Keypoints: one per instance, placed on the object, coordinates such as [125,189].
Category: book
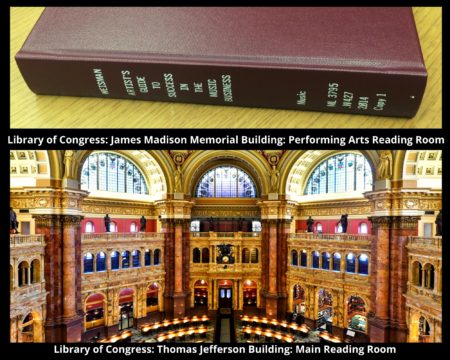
[357,60]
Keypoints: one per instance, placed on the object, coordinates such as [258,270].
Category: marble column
[272,295]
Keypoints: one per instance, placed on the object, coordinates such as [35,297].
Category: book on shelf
[358,60]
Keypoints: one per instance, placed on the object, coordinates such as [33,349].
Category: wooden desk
[31,111]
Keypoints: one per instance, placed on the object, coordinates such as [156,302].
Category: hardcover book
[362,60]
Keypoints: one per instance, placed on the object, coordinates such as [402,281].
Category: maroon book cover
[363,60]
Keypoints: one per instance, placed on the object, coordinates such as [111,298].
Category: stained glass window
[340,173]
[112,172]
[226,182]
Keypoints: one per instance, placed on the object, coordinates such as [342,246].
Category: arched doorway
[126,317]
[94,311]
[225,288]
[32,328]
[420,330]
[250,290]
[356,314]
[152,298]
[325,310]
[201,294]
[298,300]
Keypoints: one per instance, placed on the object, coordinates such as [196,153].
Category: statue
[68,158]
[178,180]
[13,221]
[384,169]
[310,224]
[438,223]
[211,224]
[274,173]
[240,224]
[344,223]
[107,221]
[143,222]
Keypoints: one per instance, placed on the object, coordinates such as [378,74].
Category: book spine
[353,92]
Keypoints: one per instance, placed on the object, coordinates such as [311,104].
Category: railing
[225,234]
[331,237]
[430,241]
[108,236]
[18,240]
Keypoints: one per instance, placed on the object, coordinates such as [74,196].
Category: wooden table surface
[31,111]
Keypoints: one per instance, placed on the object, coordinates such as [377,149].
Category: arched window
[195,225]
[136,254]
[125,259]
[88,263]
[303,258]
[325,261]
[417,273]
[350,263]
[115,260]
[94,310]
[226,182]
[340,173]
[315,259]
[148,257]
[336,262]
[254,256]
[319,228]
[424,329]
[35,271]
[23,273]
[205,255]
[156,257]
[106,171]
[338,229]
[294,258]
[363,264]
[256,226]
[113,227]
[89,227]
[196,256]
[245,255]
[362,228]
[100,262]
[133,227]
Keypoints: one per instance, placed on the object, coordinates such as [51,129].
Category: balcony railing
[23,240]
[331,237]
[122,236]
[225,234]
[429,241]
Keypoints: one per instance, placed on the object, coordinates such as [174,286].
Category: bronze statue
[438,223]
[344,223]
[107,221]
[310,224]
[143,222]
[13,221]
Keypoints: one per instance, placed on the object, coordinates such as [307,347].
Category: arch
[35,271]
[254,256]
[363,228]
[126,308]
[363,264]
[245,256]
[205,255]
[298,299]
[100,262]
[136,258]
[299,165]
[416,273]
[157,257]
[294,258]
[256,226]
[356,313]
[88,263]
[125,263]
[319,228]
[196,256]
[31,326]
[155,165]
[250,294]
[315,259]
[113,227]
[226,181]
[419,328]
[200,293]
[428,276]
[252,162]
[424,167]
[350,263]
[115,260]
[89,227]
[23,272]
[133,226]
[326,261]
[325,309]
[148,257]
[152,297]
[303,258]
[336,262]
[94,308]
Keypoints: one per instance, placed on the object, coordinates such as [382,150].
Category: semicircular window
[226,182]
[106,171]
[340,173]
